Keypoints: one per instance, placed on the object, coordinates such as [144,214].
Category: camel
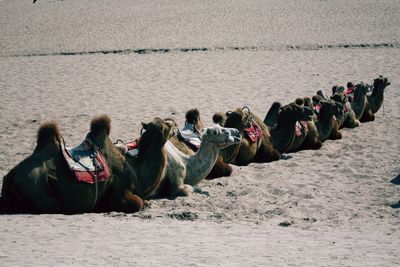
[185,171]
[256,145]
[44,183]
[194,126]
[374,100]
[348,118]
[326,112]
[150,163]
[360,99]
[287,134]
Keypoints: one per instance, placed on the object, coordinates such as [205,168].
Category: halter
[250,117]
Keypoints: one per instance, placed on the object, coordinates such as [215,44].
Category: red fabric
[103,173]
[132,145]
[317,108]
[349,91]
[301,128]
[254,132]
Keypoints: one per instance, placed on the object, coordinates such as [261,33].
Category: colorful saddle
[254,132]
[190,136]
[86,163]
[301,128]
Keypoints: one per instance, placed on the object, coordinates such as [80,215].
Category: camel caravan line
[166,161]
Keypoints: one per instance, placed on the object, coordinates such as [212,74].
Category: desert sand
[134,60]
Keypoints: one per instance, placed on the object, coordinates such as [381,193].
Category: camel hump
[99,124]
[219,118]
[192,116]
[48,132]
[299,101]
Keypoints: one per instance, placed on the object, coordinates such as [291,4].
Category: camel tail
[48,132]
[99,124]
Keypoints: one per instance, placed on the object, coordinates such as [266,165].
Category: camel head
[331,108]
[296,112]
[220,136]
[339,97]
[381,82]
[240,119]
[317,99]
[361,89]
[156,132]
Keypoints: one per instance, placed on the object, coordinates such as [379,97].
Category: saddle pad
[317,108]
[190,136]
[254,132]
[346,107]
[133,150]
[301,128]
[85,163]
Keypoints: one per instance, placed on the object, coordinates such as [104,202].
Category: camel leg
[311,142]
[178,188]
[352,122]
[130,203]
[367,116]
[335,135]
[220,169]
[266,154]
[335,132]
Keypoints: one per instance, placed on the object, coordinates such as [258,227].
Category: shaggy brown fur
[271,119]
[375,100]
[247,151]
[43,183]
[360,101]
[220,169]
[325,120]
[347,119]
[283,133]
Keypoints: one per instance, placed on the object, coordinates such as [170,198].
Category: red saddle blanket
[87,164]
[132,147]
[301,128]
[254,132]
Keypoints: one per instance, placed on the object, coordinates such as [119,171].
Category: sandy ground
[70,60]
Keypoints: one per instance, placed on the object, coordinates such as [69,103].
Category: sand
[71,60]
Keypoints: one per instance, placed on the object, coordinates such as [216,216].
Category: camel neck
[283,134]
[200,164]
[324,124]
[376,99]
[358,103]
[151,167]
